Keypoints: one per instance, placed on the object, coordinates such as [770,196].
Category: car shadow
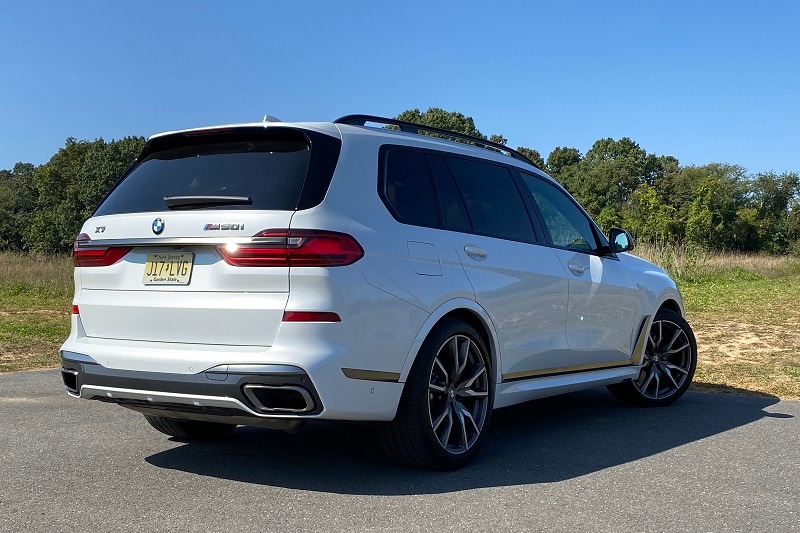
[544,441]
[718,388]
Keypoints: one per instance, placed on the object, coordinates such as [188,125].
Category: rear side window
[454,215]
[493,202]
[269,169]
[408,188]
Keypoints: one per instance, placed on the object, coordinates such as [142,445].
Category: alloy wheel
[667,361]
[458,394]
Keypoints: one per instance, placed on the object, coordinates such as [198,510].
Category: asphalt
[581,462]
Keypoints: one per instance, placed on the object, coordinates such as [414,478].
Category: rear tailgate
[188,196]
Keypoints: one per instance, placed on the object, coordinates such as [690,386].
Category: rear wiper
[189,202]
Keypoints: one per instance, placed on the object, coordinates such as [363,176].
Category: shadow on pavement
[543,441]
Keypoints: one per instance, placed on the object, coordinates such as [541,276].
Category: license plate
[168,269]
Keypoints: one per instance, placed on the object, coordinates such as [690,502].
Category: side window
[492,200]
[408,187]
[568,225]
[454,214]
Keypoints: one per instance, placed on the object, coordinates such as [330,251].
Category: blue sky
[704,81]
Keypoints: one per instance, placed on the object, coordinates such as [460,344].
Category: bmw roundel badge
[158,226]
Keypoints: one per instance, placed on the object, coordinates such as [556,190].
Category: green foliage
[774,201]
[533,155]
[71,185]
[711,207]
[17,203]
[561,159]
[609,173]
[499,139]
[439,118]
[448,120]
[648,217]
[712,213]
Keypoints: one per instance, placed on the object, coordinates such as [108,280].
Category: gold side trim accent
[371,375]
[563,370]
[641,342]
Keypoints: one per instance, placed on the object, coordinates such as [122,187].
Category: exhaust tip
[70,378]
[282,399]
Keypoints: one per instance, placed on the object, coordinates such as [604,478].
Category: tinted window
[408,188]
[569,227]
[271,173]
[454,214]
[492,200]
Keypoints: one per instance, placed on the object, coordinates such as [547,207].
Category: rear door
[179,220]
[516,279]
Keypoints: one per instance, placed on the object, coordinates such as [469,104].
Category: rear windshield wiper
[190,202]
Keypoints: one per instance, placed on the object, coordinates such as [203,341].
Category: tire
[446,406]
[668,367]
[189,429]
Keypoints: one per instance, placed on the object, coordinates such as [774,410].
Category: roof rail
[410,127]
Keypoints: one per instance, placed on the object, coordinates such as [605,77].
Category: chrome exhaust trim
[70,378]
[283,399]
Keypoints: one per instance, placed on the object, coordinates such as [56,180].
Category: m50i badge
[223,227]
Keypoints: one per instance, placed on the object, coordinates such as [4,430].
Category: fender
[668,294]
[455,304]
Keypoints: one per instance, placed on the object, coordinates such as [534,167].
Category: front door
[602,297]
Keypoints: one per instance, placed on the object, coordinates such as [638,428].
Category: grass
[743,308]
[35,295]
[745,314]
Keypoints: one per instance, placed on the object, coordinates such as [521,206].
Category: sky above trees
[700,81]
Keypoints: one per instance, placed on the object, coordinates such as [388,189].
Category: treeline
[43,208]
[716,206]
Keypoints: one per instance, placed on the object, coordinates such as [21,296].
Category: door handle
[476,253]
[576,268]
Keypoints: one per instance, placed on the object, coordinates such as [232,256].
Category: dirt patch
[762,358]
[746,342]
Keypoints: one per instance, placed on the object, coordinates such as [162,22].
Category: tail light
[296,248]
[93,256]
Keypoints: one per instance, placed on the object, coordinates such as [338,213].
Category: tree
[533,155]
[771,197]
[17,203]
[712,214]
[610,172]
[648,217]
[448,120]
[561,158]
[71,185]
[439,118]
[498,139]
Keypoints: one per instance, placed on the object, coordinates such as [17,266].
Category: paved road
[580,462]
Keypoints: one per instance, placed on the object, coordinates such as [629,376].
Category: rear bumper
[258,391]
[270,395]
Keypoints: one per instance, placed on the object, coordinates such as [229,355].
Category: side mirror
[621,240]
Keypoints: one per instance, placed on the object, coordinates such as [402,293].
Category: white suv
[273,273]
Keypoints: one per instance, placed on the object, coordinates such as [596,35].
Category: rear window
[269,169]
[493,202]
[408,188]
